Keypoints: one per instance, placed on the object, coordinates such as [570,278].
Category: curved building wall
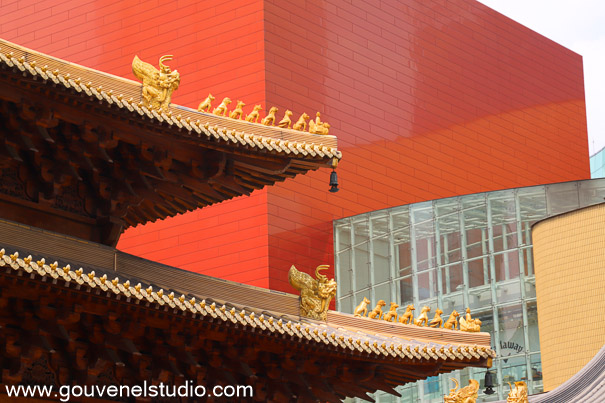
[569,257]
[466,251]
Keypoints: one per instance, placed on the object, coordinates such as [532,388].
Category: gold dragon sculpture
[315,294]
[467,394]
[518,394]
[158,85]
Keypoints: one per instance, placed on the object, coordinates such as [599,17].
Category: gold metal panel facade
[569,258]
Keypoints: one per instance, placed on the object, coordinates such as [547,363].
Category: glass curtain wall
[466,251]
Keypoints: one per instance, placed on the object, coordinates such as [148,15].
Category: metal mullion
[392,265]
[463,251]
[371,259]
[337,264]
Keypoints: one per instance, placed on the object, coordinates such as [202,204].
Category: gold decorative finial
[467,394]
[315,294]
[437,321]
[238,112]
[408,317]
[158,85]
[221,110]
[423,318]
[207,104]
[318,127]
[253,116]
[286,122]
[392,313]
[518,394]
[362,308]
[269,120]
[301,123]
[452,321]
[469,324]
[377,311]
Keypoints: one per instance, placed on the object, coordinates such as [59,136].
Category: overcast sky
[580,26]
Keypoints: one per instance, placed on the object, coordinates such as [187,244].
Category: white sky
[580,26]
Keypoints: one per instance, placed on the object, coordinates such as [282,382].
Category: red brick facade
[429,99]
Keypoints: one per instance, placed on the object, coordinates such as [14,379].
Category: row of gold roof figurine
[467,324]
[470,393]
[315,126]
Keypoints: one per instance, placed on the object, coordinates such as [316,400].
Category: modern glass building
[466,251]
[597,164]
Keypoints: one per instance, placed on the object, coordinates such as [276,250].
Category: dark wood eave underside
[105,168]
[83,335]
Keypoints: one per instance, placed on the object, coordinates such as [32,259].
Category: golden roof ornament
[238,112]
[315,294]
[301,123]
[253,116]
[269,120]
[286,122]
[362,308]
[467,394]
[392,313]
[377,311]
[469,324]
[518,394]
[221,110]
[317,126]
[158,85]
[206,104]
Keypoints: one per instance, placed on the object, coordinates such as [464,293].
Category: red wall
[429,99]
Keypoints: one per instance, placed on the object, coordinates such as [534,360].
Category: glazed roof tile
[351,340]
[126,95]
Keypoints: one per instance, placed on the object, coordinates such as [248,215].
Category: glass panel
[362,265]
[480,297]
[514,369]
[452,302]
[382,270]
[401,219]
[532,203]
[528,261]
[502,205]
[407,291]
[536,372]
[507,265]
[344,237]
[427,284]
[591,192]
[361,230]
[507,292]
[450,248]
[505,236]
[380,225]
[562,197]
[383,291]
[532,327]
[478,272]
[343,272]
[409,393]
[452,278]
[346,304]
[405,259]
[431,388]
[476,242]
[512,339]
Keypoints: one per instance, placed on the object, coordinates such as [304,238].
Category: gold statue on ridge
[362,308]
[158,85]
[437,321]
[238,112]
[518,394]
[301,123]
[469,324]
[408,317]
[452,322]
[315,294]
[377,311]
[392,314]
[423,318]
[253,116]
[221,110]
[269,120]
[467,394]
[286,122]
[318,127]
[206,105]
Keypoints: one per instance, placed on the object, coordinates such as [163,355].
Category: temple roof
[80,147]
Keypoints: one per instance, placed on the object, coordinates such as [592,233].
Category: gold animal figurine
[207,104]
[221,110]
[253,116]
[238,112]
[318,127]
[377,311]
[467,394]
[362,308]
[392,314]
[301,123]
[158,85]
[437,321]
[286,122]
[469,324]
[423,319]
[408,317]
[451,322]
[315,294]
[269,120]
[518,394]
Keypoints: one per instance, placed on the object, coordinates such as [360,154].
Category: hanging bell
[333,182]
